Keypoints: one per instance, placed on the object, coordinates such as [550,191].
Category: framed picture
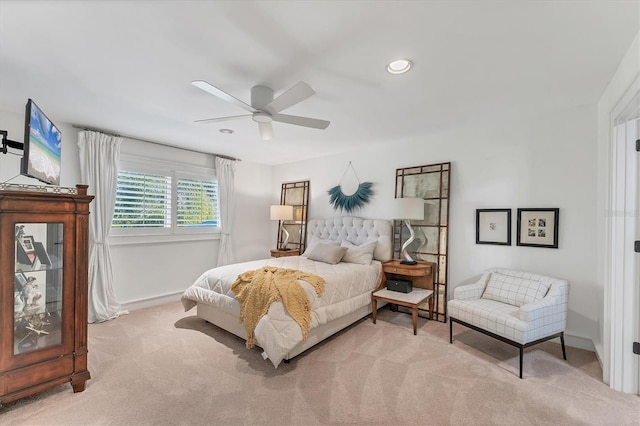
[538,227]
[21,280]
[27,244]
[493,226]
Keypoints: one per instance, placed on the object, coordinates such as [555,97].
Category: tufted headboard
[355,230]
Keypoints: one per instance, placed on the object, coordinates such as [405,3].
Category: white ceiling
[127,66]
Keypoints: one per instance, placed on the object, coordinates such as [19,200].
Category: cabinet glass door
[38,293]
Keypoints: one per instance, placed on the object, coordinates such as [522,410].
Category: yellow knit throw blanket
[256,290]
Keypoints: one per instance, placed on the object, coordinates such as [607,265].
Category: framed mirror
[431,183]
[295,194]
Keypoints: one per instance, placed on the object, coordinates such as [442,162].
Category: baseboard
[577,342]
[600,354]
[134,305]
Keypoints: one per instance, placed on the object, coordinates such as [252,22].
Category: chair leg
[450,331]
[521,353]
[564,352]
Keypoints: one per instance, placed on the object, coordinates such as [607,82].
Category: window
[142,201]
[158,200]
[197,203]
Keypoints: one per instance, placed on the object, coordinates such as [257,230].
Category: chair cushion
[496,317]
[515,289]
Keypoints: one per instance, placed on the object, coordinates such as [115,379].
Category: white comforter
[348,287]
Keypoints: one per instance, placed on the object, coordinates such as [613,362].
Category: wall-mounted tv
[42,141]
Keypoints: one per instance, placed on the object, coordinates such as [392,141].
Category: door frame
[622,270]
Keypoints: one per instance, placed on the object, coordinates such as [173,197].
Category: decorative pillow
[516,291]
[315,240]
[327,253]
[362,254]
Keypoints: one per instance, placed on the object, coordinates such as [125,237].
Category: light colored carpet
[162,366]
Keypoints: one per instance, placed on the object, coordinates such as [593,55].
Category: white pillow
[316,240]
[327,253]
[516,291]
[362,254]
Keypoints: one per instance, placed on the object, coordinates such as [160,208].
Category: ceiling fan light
[262,117]
[399,66]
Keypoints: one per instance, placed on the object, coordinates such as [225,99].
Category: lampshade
[280,212]
[408,208]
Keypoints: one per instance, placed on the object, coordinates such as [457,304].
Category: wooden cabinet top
[48,200]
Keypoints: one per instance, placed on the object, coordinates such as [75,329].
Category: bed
[347,291]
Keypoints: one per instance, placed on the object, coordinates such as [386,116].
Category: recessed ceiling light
[399,66]
[226,131]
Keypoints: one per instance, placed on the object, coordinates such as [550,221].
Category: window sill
[119,240]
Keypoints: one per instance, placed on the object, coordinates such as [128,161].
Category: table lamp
[408,209]
[282,212]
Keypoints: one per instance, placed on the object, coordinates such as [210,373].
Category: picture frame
[20,280]
[538,227]
[27,243]
[493,226]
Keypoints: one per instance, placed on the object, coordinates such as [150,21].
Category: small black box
[400,285]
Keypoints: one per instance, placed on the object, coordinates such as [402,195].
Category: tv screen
[42,141]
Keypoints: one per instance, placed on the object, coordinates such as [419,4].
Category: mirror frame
[297,228]
[431,183]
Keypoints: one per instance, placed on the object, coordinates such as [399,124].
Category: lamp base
[408,262]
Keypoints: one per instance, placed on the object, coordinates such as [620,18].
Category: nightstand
[421,276]
[284,253]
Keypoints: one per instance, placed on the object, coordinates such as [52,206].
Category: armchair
[518,308]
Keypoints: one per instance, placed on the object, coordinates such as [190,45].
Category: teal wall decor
[355,201]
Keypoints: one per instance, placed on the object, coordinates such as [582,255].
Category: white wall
[545,161]
[143,272]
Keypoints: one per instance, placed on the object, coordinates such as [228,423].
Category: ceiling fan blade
[201,84]
[212,120]
[298,93]
[301,121]
[266,131]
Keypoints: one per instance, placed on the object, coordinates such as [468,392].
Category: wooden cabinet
[44,241]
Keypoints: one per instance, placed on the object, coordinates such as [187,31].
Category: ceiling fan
[264,108]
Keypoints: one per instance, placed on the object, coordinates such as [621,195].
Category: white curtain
[98,168]
[226,174]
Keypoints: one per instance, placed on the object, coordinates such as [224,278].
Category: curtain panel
[98,168]
[225,172]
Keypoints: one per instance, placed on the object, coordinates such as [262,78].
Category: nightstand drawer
[284,253]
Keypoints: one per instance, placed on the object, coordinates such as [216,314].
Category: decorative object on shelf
[408,209]
[431,182]
[6,186]
[355,201]
[281,213]
[493,226]
[538,227]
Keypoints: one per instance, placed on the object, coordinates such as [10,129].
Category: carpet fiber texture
[162,366]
